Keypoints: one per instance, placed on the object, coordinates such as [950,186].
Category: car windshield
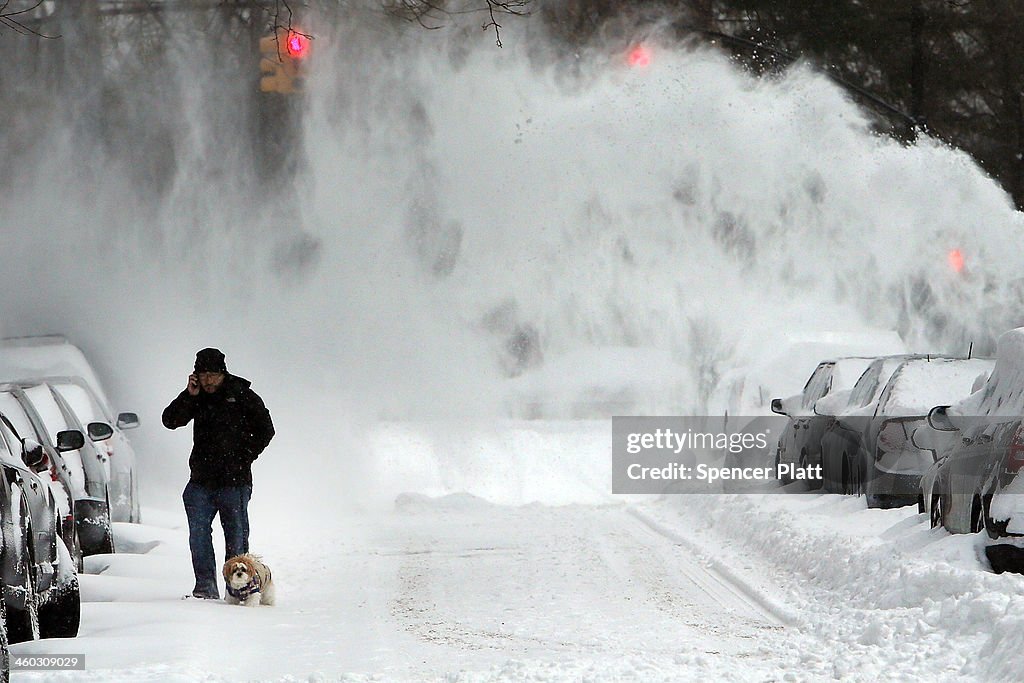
[864,389]
[14,412]
[9,443]
[817,386]
[49,412]
[81,403]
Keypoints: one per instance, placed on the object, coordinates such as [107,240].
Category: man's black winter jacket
[232,427]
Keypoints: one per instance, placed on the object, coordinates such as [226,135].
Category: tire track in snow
[570,579]
[718,580]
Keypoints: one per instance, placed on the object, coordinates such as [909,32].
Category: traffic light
[281,59]
[639,56]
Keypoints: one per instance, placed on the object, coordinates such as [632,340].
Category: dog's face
[239,571]
[239,575]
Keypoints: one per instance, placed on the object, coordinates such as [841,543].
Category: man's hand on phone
[193,385]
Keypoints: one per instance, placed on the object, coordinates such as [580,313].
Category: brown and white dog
[248,581]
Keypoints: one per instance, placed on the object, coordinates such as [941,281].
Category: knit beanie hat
[210,360]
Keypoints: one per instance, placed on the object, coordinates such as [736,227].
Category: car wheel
[61,615]
[76,552]
[977,519]
[856,479]
[784,479]
[136,514]
[5,652]
[936,512]
[23,624]
[108,538]
[986,518]
[826,475]
[812,484]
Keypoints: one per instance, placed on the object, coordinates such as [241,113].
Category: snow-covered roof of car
[46,356]
[1003,391]
[922,383]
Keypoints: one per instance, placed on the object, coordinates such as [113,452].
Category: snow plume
[459,212]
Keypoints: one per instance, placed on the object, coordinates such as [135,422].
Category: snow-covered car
[780,366]
[784,365]
[81,401]
[72,376]
[39,598]
[57,467]
[83,471]
[974,485]
[841,440]
[892,464]
[800,442]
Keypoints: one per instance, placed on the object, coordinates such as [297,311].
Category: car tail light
[891,437]
[1015,456]
[53,472]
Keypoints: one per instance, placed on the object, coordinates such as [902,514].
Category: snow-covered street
[688,587]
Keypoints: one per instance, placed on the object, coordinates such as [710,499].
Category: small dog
[248,581]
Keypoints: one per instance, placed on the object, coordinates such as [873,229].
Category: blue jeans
[202,504]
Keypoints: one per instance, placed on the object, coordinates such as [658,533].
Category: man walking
[232,427]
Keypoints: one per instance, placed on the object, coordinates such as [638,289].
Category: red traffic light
[639,56]
[297,45]
[955,257]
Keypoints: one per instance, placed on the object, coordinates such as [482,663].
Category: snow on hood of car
[920,384]
[1003,393]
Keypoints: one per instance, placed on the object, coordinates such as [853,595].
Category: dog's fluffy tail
[267,595]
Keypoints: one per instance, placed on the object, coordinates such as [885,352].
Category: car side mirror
[938,419]
[99,431]
[832,403]
[127,421]
[777,406]
[32,452]
[70,440]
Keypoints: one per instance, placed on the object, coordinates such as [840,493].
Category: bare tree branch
[515,8]
[6,19]
[430,14]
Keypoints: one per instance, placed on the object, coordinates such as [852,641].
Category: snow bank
[509,462]
[887,595]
